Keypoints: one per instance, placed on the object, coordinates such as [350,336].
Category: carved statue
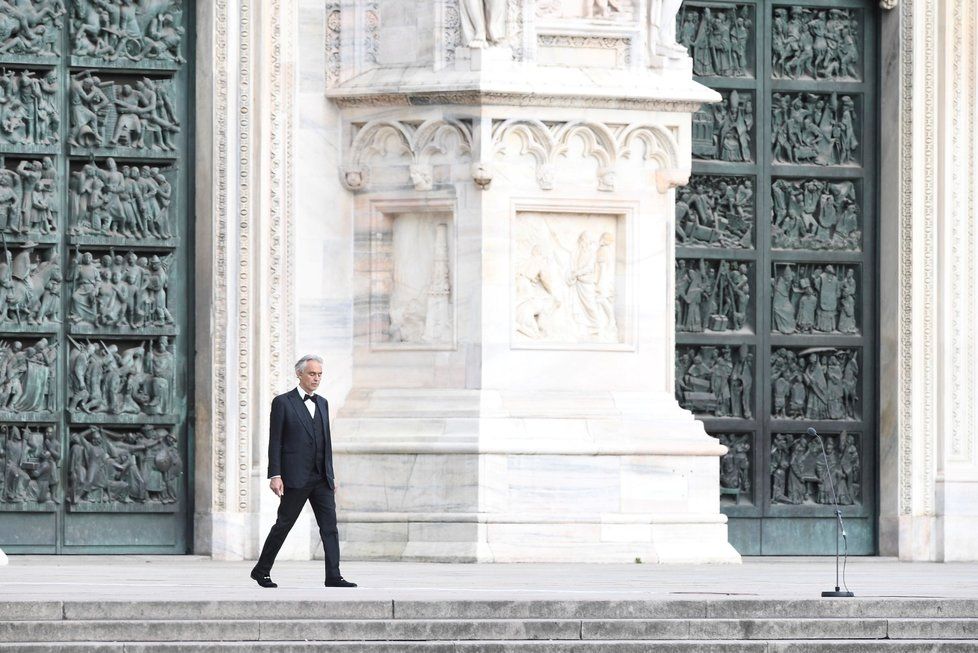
[801,473]
[122,292]
[715,381]
[735,467]
[814,129]
[714,211]
[29,286]
[712,296]
[27,198]
[132,30]
[123,382]
[28,108]
[483,22]
[815,384]
[140,115]
[821,300]
[718,39]
[603,8]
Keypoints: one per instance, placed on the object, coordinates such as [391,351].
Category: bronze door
[776,270]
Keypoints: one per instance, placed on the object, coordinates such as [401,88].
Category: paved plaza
[194,578]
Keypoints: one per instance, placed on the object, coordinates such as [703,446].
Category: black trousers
[323,503]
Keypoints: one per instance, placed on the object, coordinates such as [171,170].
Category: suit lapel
[301,413]
[321,411]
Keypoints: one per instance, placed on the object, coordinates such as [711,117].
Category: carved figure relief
[121,379]
[816,383]
[28,199]
[725,131]
[30,286]
[28,108]
[809,43]
[139,114]
[814,128]
[715,211]
[421,309]
[130,202]
[712,296]
[127,30]
[31,28]
[30,455]
[715,381]
[720,41]
[801,473]
[119,291]
[483,22]
[736,470]
[111,466]
[815,214]
[27,373]
[566,278]
[808,298]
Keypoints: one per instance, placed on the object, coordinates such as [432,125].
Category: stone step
[523,646]
[658,609]
[485,629]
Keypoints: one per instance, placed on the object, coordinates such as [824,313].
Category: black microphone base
[838,594]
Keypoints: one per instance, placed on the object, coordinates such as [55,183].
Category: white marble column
[512,384]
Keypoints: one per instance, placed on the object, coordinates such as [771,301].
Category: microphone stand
[840,526]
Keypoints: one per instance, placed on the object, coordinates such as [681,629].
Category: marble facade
[479,241]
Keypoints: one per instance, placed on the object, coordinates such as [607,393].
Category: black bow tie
[309,398]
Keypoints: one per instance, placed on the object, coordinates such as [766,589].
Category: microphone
[840,527]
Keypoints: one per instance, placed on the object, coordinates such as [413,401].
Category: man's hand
[277,486]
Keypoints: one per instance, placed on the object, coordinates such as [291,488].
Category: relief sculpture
[421,310]
[809,43]
[715,211]
[27,374]
[801,473]
[109,466]
[808,298]
[814,129]
[735,468]
[119,291]
[725,131]
[719,40]
[128,30]
[121,202]
[815,214]
[30,28]
[28,108]
[817,383]
[713,381]
[138,114]
[30,286]
[565,280]
[129,379]
[28,201]
[711,295]
[30,455]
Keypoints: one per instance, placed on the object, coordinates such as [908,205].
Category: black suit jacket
[291,444]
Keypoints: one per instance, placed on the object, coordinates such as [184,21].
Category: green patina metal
[776,270]
[94,283]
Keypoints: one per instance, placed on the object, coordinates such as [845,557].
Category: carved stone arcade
[93,256]
[794,216]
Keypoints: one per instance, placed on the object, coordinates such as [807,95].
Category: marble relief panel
[567,278]
[715,380]
[619,10]
[803,474]
[716,211]
[412,295]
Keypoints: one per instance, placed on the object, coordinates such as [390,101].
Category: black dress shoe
[262,579]
[339,581]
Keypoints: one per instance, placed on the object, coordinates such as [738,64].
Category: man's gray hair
[300,365]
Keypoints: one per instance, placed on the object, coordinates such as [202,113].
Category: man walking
[300,468]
